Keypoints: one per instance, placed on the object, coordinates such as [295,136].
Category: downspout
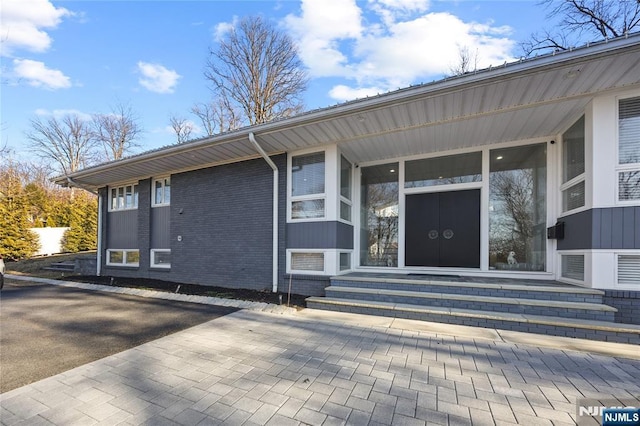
[270,162]
[99,239]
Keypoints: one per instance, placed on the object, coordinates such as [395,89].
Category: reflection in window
[463,168]
[307,209]
[379,209]
[517,208]
[307,174]
[629,131]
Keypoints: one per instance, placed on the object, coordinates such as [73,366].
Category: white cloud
[38,75]
[319,30]
[59,113]
[24,23]
[223,28]
[388,44]
[157,78]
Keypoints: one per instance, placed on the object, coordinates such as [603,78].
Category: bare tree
[117,131]
[467,61]
[182,127]
[257,68]
[68,141]
[582,20]
[217,116]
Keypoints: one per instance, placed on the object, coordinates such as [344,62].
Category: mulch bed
[199,290]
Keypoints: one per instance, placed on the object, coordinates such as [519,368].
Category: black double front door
[443,229]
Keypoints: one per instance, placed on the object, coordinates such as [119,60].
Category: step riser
[554,330]
[473,291]
[479,305]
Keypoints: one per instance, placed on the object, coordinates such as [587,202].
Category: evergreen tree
[16,239]
[83,222]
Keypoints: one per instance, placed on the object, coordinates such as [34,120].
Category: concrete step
[540,291]
[540,324]
[559,308]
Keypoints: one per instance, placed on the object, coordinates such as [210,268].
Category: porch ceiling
[530,99]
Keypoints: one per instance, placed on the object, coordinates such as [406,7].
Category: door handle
[447,234]
[433,234]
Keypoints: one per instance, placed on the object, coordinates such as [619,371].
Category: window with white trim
[123,197]
[629,269]
[573,167]
[123,257]
[161,192]
[307,262]
[573,266]
[345,261]
[345,189]
[308,186]
[160,258]
[629,150]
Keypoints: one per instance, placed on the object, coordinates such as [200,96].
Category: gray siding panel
[577,231]
[628,228]
[595,230]
[606,228]
[319,235]
[122,229]
[617,223]
[637,226]
[160,220]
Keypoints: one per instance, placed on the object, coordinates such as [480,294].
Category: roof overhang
[518,101]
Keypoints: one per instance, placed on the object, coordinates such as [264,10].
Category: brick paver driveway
[325,368]
[45,329]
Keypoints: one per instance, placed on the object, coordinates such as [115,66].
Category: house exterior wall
[123,229]
[160,227]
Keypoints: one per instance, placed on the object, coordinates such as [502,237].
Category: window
[345,189]
[162,192]
[307,262]
[307,186]
[518,208]
[161,258]
[124,197]
[629,270]
[447,170]
[379,220]
[573,167]
[573,266]
[123,257]
[345,261]
[629,150]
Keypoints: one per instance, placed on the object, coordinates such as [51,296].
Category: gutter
[270,162]
[99,237]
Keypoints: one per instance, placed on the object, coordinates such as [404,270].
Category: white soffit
[521,101]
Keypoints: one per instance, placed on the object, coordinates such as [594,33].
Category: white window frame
[159,265]
[124,258]
[621,168]
[342,199]
[306,272]
[575,180]
[163,181]
[134,190]
[308,197]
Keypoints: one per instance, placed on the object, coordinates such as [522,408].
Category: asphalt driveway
[46,330]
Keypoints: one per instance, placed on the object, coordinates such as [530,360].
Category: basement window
[123,257]
[307,262]
[573,267]
[161,258]
[629,270]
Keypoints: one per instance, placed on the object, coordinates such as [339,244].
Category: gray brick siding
[626,302]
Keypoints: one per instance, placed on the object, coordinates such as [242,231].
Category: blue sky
[85,57]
